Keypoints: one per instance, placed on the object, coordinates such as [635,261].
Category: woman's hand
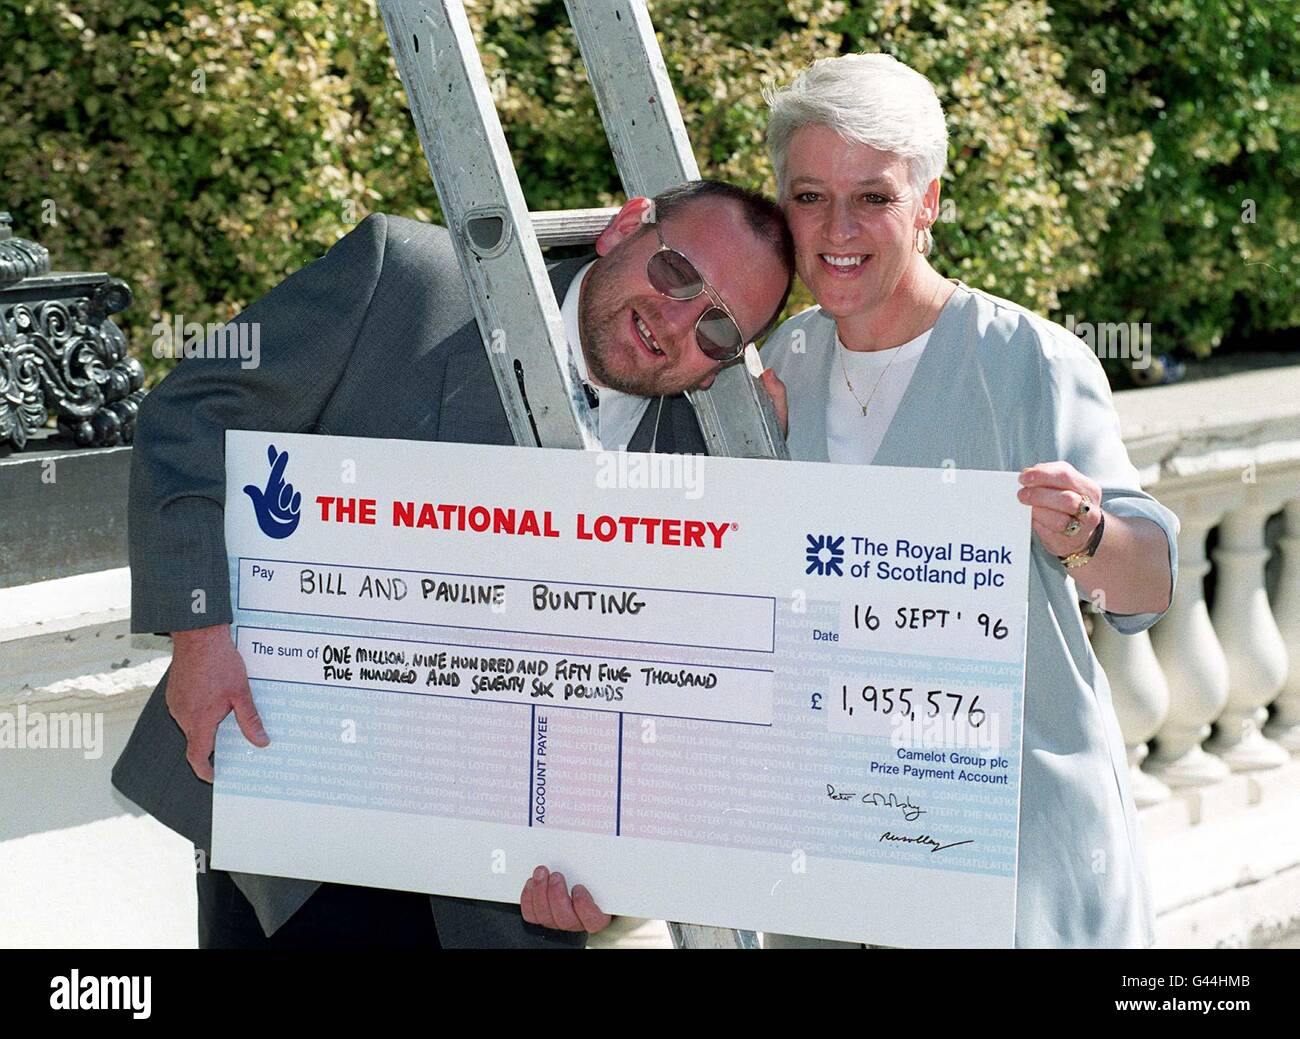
[1055,490]
[545,901]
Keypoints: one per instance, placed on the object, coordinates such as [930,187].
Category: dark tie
[593,398]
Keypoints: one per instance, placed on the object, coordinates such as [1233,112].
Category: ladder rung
[698,936]
[570,226]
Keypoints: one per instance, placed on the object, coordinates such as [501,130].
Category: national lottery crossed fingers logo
[277,506]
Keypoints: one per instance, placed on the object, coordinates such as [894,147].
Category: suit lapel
[563,272]
[913,437]
[807,383]
[684,434]
[669,424]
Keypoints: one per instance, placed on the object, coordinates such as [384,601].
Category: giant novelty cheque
[771,696]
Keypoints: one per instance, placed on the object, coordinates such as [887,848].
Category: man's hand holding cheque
[546,902]
[206,682]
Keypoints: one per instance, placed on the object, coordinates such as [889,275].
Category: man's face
[742,268]
[854,214]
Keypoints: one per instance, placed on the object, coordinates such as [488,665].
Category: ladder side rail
[648,139]
[489,223]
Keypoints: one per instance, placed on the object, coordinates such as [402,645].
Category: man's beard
[598,343]
[601,321]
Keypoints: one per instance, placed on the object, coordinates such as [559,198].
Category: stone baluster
[1252,644]
[1190,655]
[1141,699]
[1284,726]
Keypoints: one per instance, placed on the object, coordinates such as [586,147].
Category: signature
[925,838]
[911,812]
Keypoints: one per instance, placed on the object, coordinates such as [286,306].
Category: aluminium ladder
[499,243]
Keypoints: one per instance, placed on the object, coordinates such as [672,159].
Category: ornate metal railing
[60,352]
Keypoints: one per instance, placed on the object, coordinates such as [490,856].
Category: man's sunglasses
[674,276]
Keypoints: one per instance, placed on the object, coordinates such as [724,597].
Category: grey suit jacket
[375,339]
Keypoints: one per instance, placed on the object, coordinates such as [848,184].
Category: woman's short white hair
[873,99]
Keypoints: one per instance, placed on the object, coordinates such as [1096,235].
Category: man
[377,339]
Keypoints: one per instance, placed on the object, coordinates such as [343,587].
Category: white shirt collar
[569,315]
[619,413]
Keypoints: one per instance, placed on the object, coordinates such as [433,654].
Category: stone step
[68,640]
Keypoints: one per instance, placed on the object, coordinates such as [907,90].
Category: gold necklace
[861,404]
[897,350]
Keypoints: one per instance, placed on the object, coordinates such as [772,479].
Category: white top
[619,414]
[852,437]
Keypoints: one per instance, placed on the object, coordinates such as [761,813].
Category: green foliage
[203,150]
[1204,245]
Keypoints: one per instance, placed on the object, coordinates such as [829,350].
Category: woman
[898,366]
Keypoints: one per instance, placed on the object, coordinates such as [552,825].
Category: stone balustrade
[1209,700]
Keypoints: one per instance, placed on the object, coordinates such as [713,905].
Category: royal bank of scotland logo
[824,555]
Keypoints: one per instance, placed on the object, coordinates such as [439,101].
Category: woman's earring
[923,240]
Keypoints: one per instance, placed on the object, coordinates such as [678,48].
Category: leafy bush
[203,150]
[1204,245]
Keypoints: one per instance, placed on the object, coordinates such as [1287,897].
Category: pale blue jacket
[998,387]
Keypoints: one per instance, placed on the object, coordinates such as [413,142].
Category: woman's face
[854,215]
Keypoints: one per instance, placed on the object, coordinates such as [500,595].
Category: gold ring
[1072,528]
[1085,507]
